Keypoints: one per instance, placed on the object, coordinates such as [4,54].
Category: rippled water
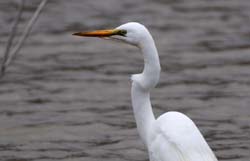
[68,98]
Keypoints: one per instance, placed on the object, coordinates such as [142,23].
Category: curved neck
[142,84]
[151,72]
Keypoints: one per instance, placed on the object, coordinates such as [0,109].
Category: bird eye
[122,32]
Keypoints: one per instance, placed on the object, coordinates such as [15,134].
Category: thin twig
[24,35]
[12,35]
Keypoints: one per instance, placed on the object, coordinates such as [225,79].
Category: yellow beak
[101,33]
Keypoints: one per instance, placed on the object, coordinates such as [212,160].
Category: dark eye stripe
[122,32]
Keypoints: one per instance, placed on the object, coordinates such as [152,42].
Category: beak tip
[76,34]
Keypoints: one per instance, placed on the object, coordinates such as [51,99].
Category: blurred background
[68,98]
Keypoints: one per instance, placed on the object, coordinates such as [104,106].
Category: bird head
[132,33]
[137,35]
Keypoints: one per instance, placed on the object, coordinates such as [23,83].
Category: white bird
[173,136]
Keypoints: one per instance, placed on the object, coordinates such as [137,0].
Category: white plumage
[173,136]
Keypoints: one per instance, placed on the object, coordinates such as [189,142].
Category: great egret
[173,136]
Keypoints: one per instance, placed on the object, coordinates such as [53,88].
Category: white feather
[179,140]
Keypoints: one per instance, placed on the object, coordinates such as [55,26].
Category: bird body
[172,136]
[179,140]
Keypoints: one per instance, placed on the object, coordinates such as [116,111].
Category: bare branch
[12,35]
[24,35]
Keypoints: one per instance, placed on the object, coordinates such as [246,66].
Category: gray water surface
[68,98]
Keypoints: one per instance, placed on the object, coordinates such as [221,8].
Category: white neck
[141,86]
